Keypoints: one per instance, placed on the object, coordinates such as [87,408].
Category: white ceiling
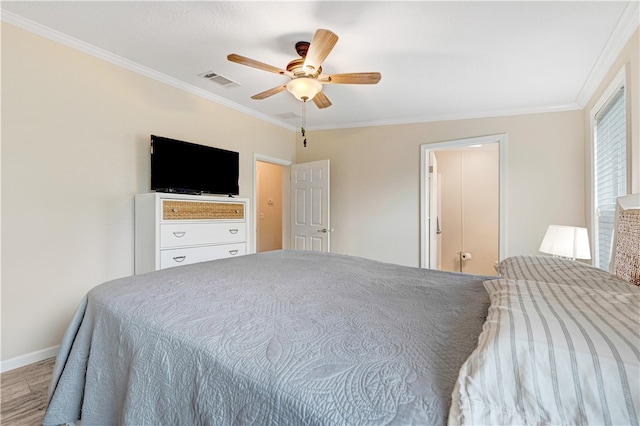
[438,60]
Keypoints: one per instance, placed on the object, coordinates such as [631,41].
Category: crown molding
[623,31]
[51,34]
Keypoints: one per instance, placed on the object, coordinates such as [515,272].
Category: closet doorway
[271,207]
[462,206]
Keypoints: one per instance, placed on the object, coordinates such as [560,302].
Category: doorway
[291,205]
[463,204]
[271,207]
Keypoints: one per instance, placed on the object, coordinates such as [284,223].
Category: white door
[310,225]
[435,249]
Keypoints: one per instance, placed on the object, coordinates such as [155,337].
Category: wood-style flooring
[24,394]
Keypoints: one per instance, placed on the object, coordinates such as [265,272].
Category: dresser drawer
[193,234]
[186,256]
[197,210]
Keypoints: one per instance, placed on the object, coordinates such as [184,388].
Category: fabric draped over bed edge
[284,337]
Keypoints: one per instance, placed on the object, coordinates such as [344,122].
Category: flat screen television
[189,168]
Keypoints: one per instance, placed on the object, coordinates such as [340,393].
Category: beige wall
[629,58]
[269,206]
[75,136]
[375,174]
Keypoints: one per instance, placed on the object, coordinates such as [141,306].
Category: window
[610,168]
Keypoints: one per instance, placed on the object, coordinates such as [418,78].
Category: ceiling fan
[306,72]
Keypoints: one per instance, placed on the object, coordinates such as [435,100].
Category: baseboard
[30,358]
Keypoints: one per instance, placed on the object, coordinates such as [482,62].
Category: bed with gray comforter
[279,338]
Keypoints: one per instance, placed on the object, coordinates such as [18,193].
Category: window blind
[610,156]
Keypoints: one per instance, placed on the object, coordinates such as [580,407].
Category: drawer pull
[179,234]
[179,259]
[233,252]
[175,210]
[233,231]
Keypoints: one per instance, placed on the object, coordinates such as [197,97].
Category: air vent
[219,79]
[288,115]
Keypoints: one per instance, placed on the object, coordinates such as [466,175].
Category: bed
[286,337]
[306,338]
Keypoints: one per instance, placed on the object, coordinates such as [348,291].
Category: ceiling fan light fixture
[304,88]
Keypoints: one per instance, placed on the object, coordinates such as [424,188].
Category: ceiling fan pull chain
[304,122]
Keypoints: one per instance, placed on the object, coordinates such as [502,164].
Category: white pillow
[553,354]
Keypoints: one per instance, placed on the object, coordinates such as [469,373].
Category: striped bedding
[562,271]
[561,345]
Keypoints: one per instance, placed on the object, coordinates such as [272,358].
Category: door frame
[433,209]
[285,191]
[425,149]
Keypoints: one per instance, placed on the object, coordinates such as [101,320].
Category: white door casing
[434,214]
[310,222]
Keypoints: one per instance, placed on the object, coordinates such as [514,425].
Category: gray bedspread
[278,338]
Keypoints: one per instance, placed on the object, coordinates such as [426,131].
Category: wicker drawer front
[190,210]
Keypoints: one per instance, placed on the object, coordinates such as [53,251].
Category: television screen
[185,167]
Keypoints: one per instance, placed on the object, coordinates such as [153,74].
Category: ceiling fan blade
[321,100]
[269,92]
[320,47]
[352,78]
[243,60]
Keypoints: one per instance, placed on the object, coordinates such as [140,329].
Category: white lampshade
[566,241]
[304,88]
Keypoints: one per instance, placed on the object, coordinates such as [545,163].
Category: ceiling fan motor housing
[297,68]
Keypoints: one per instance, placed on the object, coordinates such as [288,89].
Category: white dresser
[176,229]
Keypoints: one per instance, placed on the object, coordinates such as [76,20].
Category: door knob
[324,231]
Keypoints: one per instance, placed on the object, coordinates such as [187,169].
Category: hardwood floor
[24,394]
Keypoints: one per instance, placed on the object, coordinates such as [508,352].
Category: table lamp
[566,241]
